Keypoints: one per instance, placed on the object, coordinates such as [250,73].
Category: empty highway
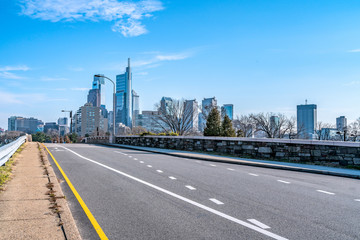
[140,195]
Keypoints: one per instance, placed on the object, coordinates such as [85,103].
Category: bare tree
[244,126]
[138,130]
[177,117]
[294,131]
[354,130]
[272,125]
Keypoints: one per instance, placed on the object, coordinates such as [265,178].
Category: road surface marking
[216,201]
[130,156]
[197,161]
[93,221]
[259,224]
[330,193]
[172,178]
[125,154]
[117,152]
[141,162]
[230,169]
[282,181]
[135,159]
[190,187]
[148,165]
[159,171]
[253,174]
[358,200]
[213,165]
[184,199]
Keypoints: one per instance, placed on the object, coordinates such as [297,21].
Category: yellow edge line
[95,224]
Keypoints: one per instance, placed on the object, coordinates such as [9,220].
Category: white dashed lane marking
[259,224]
[282,181]
[190,187]
[186,200]
[216,201]
[230,169]
[159,171]
[322,191]
[149,166]
[135,159]
[172,178]
[253,174]
[141,162]
[130,156]
[358,200]
[213,165]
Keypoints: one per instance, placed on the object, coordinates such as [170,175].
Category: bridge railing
[8,150]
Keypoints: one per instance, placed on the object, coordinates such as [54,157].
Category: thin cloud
[10,75]
[172,57]
[354,50]
[126,15]
[12,98]
[7,71]
[160,58]
[79,89]
[14,68]
[151,61]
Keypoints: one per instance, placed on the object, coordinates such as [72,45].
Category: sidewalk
[32,205]
[341,172]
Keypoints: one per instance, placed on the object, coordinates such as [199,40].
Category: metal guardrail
[8,150]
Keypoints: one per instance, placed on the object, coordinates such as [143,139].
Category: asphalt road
[141,195]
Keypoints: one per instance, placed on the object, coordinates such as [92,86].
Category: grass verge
[6,170]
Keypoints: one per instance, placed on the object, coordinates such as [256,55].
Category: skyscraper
[11,123]
[306,120]
[191,110]
[207,105]
[123,106]
[227,109]
[165,104]
[28,125]
[341,123]
[96,95]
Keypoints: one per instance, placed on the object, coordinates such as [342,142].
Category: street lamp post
[70,118]
[114,97]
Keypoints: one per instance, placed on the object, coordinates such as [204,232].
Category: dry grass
[6,170]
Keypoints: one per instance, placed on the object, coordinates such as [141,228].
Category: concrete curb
[241,162]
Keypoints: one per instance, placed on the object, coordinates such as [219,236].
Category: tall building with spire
[123,106]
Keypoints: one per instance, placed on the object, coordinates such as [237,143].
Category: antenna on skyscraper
[305,101]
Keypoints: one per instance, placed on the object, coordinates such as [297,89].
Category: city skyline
[268,67]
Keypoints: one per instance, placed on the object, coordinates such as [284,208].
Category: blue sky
[262,56]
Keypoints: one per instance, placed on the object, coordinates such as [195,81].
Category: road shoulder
[33,205]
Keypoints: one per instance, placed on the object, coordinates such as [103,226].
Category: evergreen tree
[213,123]
[227,129]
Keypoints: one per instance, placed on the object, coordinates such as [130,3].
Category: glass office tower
[306,120]
[123,105]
